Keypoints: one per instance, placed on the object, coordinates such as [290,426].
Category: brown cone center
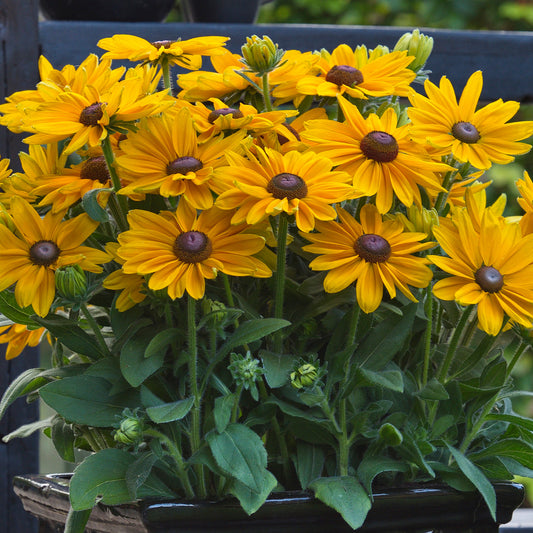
[91,114]
[489,279]
[379,146]
[465,132]
[372,248]
[225,111]
[95,169]
[192,247]
[184,164]
[344,75]
[44,253]
[287,185]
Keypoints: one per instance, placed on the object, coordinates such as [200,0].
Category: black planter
[231,11]
[111,10]
[402,510]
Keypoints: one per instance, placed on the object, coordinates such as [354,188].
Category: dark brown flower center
[162,44]
[465,132]
[192,247]
[95,169]
[489,279]
[184,164]
[282,139]
[288,186]
[236,113]
[372,248]
[91,114]
[44,253]
[379,146]
[345,75]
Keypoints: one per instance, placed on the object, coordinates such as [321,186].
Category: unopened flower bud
[390,435]
[130,431]
[304,376]
[261,55]
[245,370]
[416,44]
[214,309]
[423,219]
[71,282]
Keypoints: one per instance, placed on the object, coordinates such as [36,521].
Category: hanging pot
[228,11]
[408,509]
[110,10]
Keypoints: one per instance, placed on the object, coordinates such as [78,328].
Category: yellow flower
[89,116]
[359,73]
[180,251]
[39,246]
[18,337]
[377,153]
[374,253]
[132,287]
[185,53]
[300,184]
[165,157]
[477,136]
[491,267]
[525,200]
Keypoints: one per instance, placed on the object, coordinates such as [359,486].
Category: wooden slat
[506,58]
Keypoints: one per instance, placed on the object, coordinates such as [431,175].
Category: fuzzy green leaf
[169,412]
[160,342]
[91,206]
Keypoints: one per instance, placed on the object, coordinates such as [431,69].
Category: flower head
[374,253]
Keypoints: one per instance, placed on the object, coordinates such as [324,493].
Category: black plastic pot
[110,10]
[400,510]
[230,11]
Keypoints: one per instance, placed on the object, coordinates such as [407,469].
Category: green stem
[354,321]
[167,82]
[454,342]
[117,204]
[235,410]
[427,339]
[442,198]
[281,260]
[344,447]
[519,351]
[95,328]
[480,421]
[178,459]
[195,435]
[266,93]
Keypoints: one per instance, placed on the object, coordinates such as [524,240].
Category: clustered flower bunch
[284,273]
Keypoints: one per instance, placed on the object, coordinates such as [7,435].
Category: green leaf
[344,494]
[386,339]
[72,336]
[521,421]
[250,331]
[138,472]
[309,462]
[86,400]
[63,438]
[135,367]
[169,412]
[516,449]
[240,453]
[91,206]
[159,342]
[18,387]
[222,411]
[277,368]
[388,379]
[370,467]
[27,429]
[434,390]
[11,309]
[101,477]
[251,500]
[478,479]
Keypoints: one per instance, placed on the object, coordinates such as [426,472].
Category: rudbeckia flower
[491,267]
[185,53]
[359,73]
[179,251]
[374,253]
[269,183]
[477,136]
[39,246]
[166,157]
[378,154]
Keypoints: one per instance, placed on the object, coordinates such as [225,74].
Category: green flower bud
[214,309]
[423,219]
[390,435]
[245,370]
[304,376]
[261,55]
[71,282]
[416,44]
[130,431]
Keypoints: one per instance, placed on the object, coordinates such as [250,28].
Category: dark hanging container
[107,10]
[227,11]
[402,510]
